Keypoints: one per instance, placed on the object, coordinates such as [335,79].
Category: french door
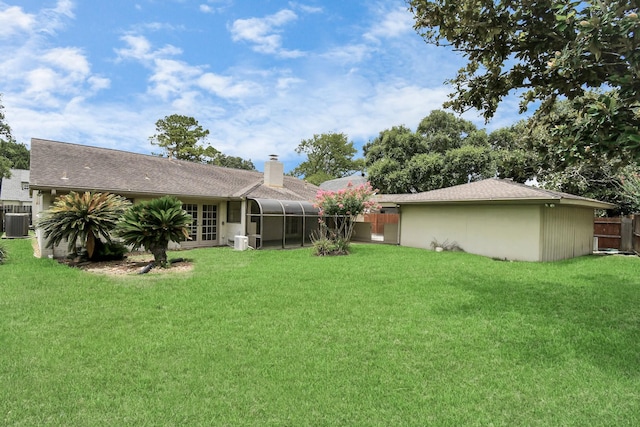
[204,228]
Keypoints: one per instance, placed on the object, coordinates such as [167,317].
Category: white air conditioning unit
[240,243]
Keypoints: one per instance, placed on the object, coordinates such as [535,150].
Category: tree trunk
[159,251]
[90,244]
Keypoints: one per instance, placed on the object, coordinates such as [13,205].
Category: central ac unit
[240,243]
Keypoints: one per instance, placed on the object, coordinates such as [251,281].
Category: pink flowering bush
[339,210]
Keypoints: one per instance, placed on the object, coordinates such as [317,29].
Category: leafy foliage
[82,217]
[546,49]
[153,224]
[329,156]
[3,254]
[339,210]
[12,154]
[182,137]
[580,170]
[444,151]
[110,251]
[631,191]
[234,162]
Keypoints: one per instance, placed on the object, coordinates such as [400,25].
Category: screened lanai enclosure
[281,223]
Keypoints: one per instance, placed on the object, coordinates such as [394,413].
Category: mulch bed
[129,265]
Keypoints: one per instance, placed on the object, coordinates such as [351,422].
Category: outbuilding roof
[493,190]
[66,166]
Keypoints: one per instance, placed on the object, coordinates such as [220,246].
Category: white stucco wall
[498,231]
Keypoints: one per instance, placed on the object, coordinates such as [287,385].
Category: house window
[25,185]
[234,211]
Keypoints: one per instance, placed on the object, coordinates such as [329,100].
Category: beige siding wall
[43,201]
[567,232]
[498,231]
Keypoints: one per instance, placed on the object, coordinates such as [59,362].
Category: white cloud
[226,87]
[286,83]
[173,79]
[263,33]
[139,48]
[69,59]
[305,8]
[52,20]
[394,23]
[13,20]
[218,6]
[348,54]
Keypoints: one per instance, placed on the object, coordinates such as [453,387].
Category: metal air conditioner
[16,225]
[240,243]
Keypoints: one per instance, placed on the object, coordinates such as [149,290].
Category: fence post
[636,233]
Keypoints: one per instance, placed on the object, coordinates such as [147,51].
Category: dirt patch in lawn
[135,264]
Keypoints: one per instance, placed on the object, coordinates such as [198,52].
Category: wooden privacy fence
[636,234]
[379,220]
[621,233]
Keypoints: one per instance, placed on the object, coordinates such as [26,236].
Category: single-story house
[14,191]
[269,208]
[15,197]
[499,218]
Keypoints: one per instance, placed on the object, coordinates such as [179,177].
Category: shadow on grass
[575,315]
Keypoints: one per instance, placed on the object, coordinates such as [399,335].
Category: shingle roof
[342,183]
[62,165]
[11,188]
[492,190]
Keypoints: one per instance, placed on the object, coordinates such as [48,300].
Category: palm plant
[83,218]
[153,224]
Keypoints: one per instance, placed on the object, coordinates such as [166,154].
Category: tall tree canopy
[12,154]
[445,150]
[545,50]
[587,173]
[329,156]
[183,138]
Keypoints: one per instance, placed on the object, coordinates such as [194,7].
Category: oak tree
[546,50]
[329,156]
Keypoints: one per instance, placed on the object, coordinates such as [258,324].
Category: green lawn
[387,336]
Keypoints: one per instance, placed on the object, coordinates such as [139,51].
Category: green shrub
[153,224]
[108,251]
[3,254]
[325,244]
[83,218]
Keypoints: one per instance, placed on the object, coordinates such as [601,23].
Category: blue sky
[260,75]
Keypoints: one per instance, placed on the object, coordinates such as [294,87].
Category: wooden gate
[379,220]
[619,233]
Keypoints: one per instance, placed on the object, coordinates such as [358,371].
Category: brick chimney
[274,172]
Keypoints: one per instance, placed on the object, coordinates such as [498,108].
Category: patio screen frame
[281,224]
